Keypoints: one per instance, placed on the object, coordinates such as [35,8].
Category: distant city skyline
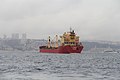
[91,19]
[14,36]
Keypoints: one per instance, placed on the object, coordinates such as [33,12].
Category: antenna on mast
[70,29]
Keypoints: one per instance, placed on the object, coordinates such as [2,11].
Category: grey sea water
[17,65]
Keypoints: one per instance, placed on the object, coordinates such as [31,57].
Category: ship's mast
[48,42]
[56,41]
[70,29]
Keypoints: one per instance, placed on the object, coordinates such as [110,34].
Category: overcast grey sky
[91,19]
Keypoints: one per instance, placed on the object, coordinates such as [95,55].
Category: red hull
[62,49]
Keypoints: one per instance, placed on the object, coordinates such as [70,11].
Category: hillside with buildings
[20,42]
[15,42]
[101,46]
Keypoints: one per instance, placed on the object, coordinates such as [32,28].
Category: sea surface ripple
[18,65]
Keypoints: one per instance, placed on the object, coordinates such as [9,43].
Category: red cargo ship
[69,43]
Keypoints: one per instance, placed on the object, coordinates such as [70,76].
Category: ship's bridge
[69,38]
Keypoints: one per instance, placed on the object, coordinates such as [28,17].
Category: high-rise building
[15,36]
[4,36]
[24,36]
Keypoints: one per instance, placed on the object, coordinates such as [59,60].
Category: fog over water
[91,19]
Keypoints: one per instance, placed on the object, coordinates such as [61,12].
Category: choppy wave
[41,66]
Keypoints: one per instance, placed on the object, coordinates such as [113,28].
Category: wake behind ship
[69,43]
